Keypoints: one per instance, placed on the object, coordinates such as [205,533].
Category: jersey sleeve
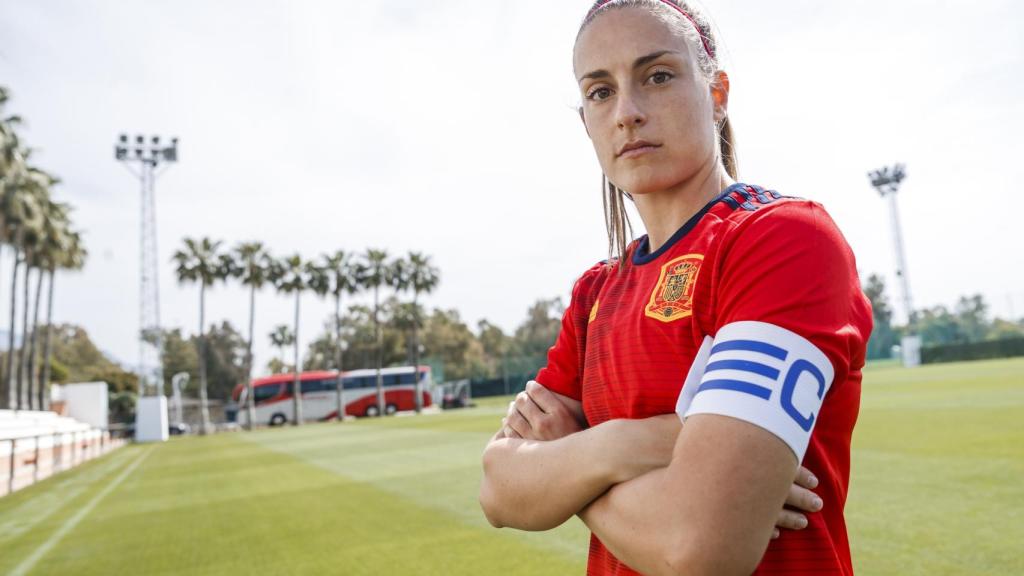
[790,322]
[563,372]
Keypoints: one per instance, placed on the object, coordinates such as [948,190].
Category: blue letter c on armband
[789,386]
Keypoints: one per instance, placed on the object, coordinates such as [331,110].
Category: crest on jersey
[672,298]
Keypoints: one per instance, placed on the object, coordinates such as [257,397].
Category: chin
[640,183]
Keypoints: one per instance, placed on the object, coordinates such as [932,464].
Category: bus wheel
[390,409]
[372,410]
[278,420]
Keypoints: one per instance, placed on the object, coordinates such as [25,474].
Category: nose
[628,113]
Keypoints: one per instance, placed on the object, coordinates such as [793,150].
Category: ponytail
[727,148]
[616,221]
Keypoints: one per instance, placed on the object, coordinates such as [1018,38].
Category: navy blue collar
[640,253]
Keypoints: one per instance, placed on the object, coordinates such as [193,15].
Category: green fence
[1005,348]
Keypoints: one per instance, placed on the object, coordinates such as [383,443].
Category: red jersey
[629,339]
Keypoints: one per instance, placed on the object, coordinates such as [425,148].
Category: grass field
[938,488]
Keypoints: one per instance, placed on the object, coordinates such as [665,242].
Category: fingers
[805,478]
[803,499]
[528,408]
[543,397]
[790,520]
[776,533]
[516,423]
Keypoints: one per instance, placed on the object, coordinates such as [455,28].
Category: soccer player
[698,369]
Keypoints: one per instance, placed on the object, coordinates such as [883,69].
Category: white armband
[762,374]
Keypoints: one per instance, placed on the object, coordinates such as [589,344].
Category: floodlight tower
[148,154]
[887,182]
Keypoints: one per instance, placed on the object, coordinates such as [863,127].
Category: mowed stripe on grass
[937,462]
[225,504]
[938,470]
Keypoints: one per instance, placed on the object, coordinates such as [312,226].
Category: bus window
[264,393]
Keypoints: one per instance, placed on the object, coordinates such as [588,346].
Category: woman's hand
[538,414]
[801,498]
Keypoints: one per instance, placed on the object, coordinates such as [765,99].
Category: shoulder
[769,221]
[595,276]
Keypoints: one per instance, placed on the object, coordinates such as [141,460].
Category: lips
[635,148]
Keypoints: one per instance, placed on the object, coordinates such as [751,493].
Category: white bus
[275,405]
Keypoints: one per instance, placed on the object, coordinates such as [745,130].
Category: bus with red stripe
[275,406]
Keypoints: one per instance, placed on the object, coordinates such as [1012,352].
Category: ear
[584,120]
[720,95]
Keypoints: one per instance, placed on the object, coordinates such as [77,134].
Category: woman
[740,311]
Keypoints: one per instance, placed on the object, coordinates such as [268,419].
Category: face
[647,107]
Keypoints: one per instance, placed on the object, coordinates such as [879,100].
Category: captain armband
[762,374]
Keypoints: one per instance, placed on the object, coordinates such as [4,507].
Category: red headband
[703,40]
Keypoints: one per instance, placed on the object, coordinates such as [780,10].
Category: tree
[495,344]
[937,326]
[972,315]
[250,264]
[360,339]
[883,336]
[538,333]
[199,261]
[343,276]
[22,209]
[282,337]
[225,359]
[373,275]
[77,359]
[53,245]
[179,354]
[289,275]
[72,256]
[447,338]
[421,277]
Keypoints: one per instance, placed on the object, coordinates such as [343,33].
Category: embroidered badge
[593,312]
[672,298]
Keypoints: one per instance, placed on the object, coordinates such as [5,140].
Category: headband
[679,8]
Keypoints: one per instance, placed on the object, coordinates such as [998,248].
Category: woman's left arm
[712,511]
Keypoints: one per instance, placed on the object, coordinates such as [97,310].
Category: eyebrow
[641,61]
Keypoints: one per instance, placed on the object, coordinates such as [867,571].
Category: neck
[666,211]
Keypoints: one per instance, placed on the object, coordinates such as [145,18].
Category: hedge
[1005,348]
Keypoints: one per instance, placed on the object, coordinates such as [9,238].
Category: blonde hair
[686,20]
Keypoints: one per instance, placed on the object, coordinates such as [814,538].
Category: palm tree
[374,273]
[71,257]
[250,264]
[13,212]
[422,278]
[281,338]
[289,275]
[53,243]
[21,207]
[343,272]
[199,262]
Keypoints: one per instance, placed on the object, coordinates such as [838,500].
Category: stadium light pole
[887,182]
[148,153]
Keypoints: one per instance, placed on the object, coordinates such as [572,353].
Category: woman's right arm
[544,466]
[538,485]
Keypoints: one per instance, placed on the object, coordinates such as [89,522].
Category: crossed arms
[704,498]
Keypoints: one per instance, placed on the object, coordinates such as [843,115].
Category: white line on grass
[30,562]
[41,506]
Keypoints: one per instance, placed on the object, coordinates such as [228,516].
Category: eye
[598,94]
[660,77]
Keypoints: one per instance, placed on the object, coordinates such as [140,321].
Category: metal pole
[35,466]
[901,259]
[143,177]
[10,475]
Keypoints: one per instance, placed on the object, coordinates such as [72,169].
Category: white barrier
[36,445]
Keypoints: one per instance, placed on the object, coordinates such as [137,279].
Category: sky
[449,127]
